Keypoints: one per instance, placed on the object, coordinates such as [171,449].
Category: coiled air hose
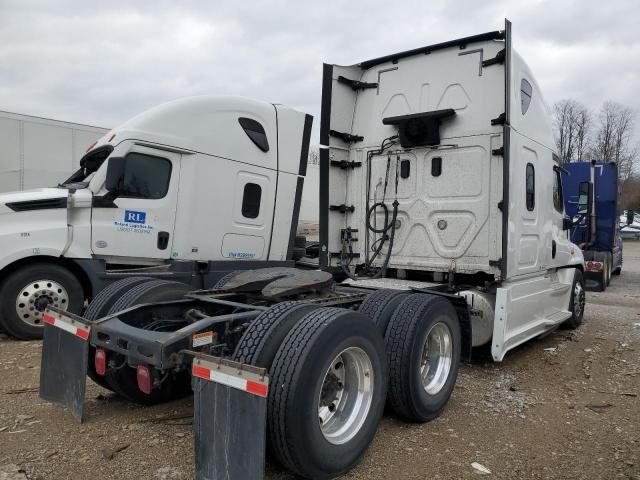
[386,232]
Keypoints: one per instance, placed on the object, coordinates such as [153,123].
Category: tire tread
[398,343]
[252,339]
[284,374]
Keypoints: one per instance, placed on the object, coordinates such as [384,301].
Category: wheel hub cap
[345,396]
[35,297]
[436,358]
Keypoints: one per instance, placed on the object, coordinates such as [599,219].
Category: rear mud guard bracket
[65,353]
[229,419]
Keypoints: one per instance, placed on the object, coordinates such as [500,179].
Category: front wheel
[328,387]
[28,291]
[577,302]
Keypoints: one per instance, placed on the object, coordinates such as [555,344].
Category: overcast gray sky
[102,62]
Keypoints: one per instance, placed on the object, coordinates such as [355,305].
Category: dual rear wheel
[331,373]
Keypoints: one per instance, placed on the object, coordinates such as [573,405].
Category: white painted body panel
[209,209]
[32,233]
[528,307]
[467,192]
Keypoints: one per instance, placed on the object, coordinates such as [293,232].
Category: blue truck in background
[591,202]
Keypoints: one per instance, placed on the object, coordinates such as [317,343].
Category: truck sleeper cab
[440,165]
[443,206]
[591,202]
[189,190]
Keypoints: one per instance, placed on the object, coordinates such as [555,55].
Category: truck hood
[36,199]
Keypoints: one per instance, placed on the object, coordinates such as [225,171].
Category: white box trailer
[40,152]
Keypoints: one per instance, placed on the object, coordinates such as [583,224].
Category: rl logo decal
[131,216]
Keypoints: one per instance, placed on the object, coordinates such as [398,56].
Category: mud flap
[229,419]
[63,371]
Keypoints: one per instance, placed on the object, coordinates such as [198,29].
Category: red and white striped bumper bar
[231,376]
[67,324]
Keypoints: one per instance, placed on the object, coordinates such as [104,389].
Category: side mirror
[567,223]
[115,175]
[630,216]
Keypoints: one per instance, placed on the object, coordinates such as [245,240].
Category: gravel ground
[566,406]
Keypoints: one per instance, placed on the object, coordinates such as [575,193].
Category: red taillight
[100,361]
[593,266]
[145,382]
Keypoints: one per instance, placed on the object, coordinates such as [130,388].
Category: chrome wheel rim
[36,296]
[345,396]
[578,300]
[437,354]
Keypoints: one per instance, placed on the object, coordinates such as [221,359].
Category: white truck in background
[192,189]
[440,197]
[38,152]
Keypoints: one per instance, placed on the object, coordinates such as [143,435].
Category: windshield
[89,164]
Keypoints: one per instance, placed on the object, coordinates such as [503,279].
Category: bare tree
[582,131]
[572,128]
[613,139]
[314,156]
[630,196]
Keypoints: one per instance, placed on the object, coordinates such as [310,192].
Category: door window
[557,191]
[146,176]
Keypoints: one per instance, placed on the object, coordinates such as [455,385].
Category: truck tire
[577,302]
[26,292]
[327,393]
[222,281]
[609,258]
[423,348]
[102,302]
[99,307]
[380,305]
[262,339]
[123,380]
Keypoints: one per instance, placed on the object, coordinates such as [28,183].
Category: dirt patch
[566,406]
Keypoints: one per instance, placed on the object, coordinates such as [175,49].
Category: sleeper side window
[530,187]
[251,200]
[145,176]
[526,90]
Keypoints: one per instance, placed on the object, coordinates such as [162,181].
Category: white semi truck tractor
[441,209]
[188,191]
